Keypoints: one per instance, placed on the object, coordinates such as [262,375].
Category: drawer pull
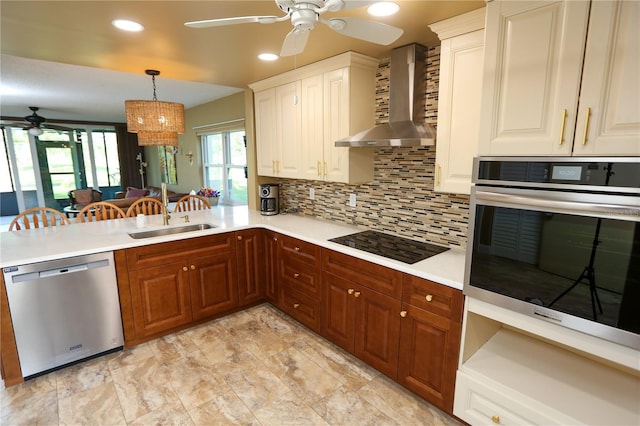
[193,267]
[350,291]
[184,268]
[495,419]
[356,294]
[403,314]
[295,305]
[296,248]
[296,275]
[429,297]
[239,237]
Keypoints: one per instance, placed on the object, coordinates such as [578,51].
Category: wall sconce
[189,156]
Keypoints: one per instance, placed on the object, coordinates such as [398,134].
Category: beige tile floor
[256,367]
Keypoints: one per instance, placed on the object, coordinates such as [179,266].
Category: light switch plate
[352,200]
[312,193]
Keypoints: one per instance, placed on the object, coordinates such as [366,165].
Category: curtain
[128,150]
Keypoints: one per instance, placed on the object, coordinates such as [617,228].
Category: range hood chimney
[406,125]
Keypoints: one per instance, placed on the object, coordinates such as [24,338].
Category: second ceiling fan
[304,14]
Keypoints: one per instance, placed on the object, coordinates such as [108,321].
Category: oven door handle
[552,205]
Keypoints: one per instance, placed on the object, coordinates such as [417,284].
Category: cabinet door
[266,139]
[458,111]
[609,113]
[532,69]
[251,265]
[288,130]
[160,298]
[338,311]
[214,286]
[428,356]
[312,167]
[377,330]
[336,125]
[271,262]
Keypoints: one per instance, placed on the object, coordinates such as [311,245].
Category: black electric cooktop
[397,248]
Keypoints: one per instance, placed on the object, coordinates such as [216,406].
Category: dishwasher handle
[64,270]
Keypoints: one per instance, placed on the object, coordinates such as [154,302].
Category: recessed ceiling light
[383,8]
[267,56]
[126,25]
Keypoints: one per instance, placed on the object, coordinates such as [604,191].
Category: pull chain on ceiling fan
[304,14]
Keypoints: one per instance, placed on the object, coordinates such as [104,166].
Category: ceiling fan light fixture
[268,57]
[35,131]
[127,25]
[155,120]
[383,8]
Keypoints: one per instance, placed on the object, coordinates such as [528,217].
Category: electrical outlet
[352,200]
[312,193]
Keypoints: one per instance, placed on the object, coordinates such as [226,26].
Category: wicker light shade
[157,138]
[156,122]
[154,116]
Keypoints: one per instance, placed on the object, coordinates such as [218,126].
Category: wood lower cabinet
[165,287]
[430,340]
[299,280]
[362,321]
[252,268]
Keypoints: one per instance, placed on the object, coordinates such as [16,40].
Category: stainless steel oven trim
[627,208]
[564,186]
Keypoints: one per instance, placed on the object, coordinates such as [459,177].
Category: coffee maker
[269,199]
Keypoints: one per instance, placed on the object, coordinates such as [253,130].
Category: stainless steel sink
[170,231]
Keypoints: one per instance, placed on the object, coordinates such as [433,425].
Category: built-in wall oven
[559,239]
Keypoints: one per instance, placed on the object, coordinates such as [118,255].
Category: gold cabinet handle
[296,275]
[273,166]
[296,248]
[295,305]
[184,268]
[193,267]
[564,121]
[350,291]
[319,168]
[239,237]
[403,314]
[586,126]
[428,297]
[325,169]
[495,419]
[356,294]
[438,172]
[277,166]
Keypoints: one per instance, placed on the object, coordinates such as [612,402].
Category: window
[225,165]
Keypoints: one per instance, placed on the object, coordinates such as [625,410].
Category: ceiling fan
[304,14]
[36,123]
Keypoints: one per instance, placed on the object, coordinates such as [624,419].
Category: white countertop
[38,245]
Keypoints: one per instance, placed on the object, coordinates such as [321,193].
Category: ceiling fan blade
[57,127]
[294,42]
[374,32]
[232,21]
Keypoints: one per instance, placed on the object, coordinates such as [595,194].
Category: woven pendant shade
[156,122]
[154,116]
[157,138]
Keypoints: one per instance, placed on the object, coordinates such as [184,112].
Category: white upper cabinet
[330,100]
[609,109]
[461,57]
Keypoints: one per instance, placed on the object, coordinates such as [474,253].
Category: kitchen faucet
[165,204]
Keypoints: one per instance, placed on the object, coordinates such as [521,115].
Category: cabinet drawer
[163,253]
[299,250]
[301,307]
[384,280]
[433,297]
[300,276]
[478,403]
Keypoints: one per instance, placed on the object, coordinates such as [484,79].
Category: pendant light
[156,122]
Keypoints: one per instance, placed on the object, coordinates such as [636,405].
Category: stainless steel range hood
[406,125]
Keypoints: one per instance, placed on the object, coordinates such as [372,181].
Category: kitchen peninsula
[314,280]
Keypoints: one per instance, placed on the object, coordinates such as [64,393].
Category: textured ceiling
[96,67]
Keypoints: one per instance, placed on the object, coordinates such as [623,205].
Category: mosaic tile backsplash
[400,200]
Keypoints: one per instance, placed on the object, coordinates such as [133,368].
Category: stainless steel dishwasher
[64,311]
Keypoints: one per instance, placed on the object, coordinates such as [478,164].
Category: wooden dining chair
[38,217]
[145,206]
[100,210]
[192,202]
